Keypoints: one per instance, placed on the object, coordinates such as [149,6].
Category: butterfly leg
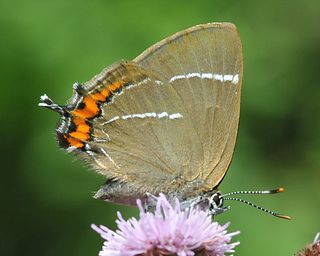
[151,202]
[217,211]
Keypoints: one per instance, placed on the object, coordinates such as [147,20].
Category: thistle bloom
[168,231]
[312,249]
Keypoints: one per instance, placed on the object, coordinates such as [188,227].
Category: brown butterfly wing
[144,136]
[213,105]
[171,118]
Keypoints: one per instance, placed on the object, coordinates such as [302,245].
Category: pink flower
[312,249]
[167,231]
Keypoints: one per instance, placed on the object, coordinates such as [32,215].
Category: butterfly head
[215,202]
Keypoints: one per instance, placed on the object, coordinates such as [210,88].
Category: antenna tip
[280,190]
[277,190]
[282,216]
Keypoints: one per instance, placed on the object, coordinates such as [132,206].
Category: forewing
[204,66]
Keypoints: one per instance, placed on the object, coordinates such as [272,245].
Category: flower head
[167,231]
[312,249]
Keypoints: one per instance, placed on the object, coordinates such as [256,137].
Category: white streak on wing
[101,140]
[175,116]
[193,75]
[133,116]
[144,81]
[112,119]
[228,77]
[207,75]
[107,135]
[90,153]
[109,157]
[218,77]
[151,114]
[145,115]
[177,77]
[163,114]
[235,79]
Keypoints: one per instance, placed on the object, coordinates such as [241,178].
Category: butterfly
[165,122]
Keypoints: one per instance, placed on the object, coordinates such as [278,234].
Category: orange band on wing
[91,105]
[81,125]
[105,92]
[115,86]
[88,108]
[74,142]
[98,96]
[80,135]
[82,113]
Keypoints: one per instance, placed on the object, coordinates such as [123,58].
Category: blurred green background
[45,46]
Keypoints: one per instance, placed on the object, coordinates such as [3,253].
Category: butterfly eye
[216,201]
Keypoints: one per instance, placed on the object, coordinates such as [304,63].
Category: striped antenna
[260,192]
[256,206]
